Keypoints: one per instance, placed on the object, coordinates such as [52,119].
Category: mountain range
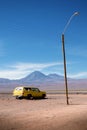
[38,79]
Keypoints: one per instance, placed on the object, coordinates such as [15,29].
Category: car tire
[29,96]
[43,96]
[17,97]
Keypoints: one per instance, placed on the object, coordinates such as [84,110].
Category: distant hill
[38,79]
[56,77]
[34,76]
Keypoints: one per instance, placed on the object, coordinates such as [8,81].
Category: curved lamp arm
[76,13]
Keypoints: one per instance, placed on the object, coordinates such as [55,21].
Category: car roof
[25,87]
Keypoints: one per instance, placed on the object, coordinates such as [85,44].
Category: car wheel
[29,96]
[43,96]
[17,97]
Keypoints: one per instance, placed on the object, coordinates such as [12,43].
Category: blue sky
[30,37]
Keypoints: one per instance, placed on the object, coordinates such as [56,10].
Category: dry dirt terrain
[51,113]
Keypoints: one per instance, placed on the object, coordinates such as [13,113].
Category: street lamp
[64,56]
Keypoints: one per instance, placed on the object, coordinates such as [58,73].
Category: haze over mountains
[42,81]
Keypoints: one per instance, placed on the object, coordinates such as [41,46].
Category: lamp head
[76,13]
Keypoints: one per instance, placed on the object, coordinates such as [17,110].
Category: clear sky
[30,37]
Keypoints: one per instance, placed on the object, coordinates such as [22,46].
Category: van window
[35,89]
[27,89]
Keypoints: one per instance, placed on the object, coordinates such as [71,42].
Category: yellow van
[28,92]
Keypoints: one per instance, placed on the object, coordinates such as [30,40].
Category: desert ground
[51,113]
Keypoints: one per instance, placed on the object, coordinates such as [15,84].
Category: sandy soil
[47,114]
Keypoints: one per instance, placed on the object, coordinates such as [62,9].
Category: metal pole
[65,74]
[64,57]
